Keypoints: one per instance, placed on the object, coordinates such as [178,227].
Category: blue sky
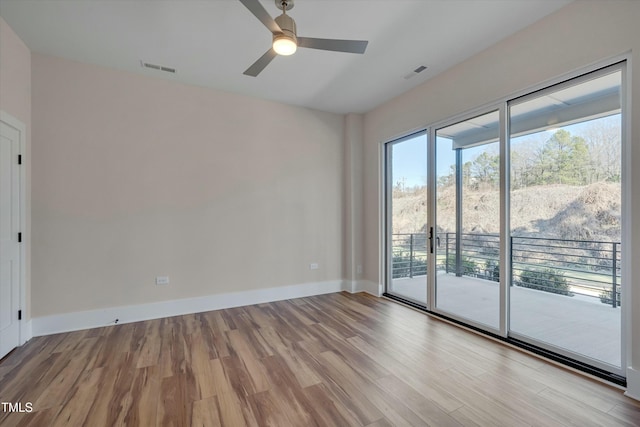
[410,155]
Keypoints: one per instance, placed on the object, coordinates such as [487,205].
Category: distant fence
[569,267]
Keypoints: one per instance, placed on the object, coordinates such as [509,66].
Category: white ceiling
[211,42]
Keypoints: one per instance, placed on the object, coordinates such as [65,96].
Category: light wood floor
[338,359]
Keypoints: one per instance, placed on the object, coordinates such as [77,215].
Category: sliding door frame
[387,164]
[568,83]
[500,107]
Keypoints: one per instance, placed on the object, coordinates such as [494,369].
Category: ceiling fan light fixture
[284,45]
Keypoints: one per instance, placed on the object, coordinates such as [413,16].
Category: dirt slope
[561,211]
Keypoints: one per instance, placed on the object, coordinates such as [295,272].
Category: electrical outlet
[313,266]
[162,280]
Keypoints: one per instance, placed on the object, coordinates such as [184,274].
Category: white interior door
[9,245]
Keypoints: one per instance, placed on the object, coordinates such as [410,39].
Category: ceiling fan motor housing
[288,27]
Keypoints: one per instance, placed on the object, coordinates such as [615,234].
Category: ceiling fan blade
[349,46]
[257,67]
[259,12]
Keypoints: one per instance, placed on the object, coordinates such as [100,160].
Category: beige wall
[15,99]
[136,177]
[581,34]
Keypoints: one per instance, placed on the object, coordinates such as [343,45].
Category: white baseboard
[134,313]
[633,383]
[349,286]
[367,286]
[26,331]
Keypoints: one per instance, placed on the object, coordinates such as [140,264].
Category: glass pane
[566,218]
[468,219]
[408,199]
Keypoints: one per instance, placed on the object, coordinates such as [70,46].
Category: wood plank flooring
[329,360]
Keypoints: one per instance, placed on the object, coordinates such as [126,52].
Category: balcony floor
[580,324]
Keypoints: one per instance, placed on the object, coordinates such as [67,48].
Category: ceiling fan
[285,39]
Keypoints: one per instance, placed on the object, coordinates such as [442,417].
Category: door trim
[24,333]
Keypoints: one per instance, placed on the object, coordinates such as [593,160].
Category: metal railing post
[614,291]
[446,252]
[459,254]
[510,260]
[411,256]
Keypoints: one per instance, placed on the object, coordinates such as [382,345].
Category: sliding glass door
[467,220]
[407,218]
[510,220]
[566,218]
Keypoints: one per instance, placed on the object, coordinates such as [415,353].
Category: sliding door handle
[431,239]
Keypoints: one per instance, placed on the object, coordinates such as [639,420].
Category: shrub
[545,279]
[606,297]
[403,267]
[493,270]
[468,265]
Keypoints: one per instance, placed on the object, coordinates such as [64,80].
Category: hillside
[589,212]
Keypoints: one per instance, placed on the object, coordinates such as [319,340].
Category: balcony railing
[568,267]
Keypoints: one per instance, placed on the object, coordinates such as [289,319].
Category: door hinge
[19,159]
[19,314]
[19,237]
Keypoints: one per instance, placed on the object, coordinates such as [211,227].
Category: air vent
[157,67]
[414,72]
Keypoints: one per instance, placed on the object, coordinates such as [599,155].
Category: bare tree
[603,137]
